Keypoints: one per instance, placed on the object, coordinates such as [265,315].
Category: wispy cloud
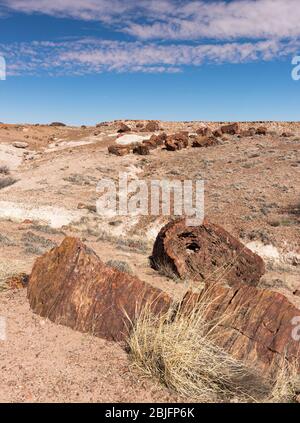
[219,20]
[166,35]
[178,19]
[90,56]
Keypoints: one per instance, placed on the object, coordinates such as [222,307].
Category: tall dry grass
[180,350]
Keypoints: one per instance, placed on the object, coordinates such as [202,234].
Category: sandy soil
[43,362]
[252,188]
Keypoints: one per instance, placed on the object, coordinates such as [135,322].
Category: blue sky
[85,61]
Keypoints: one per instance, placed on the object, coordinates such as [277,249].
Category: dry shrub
[286,384]
[165,268]
[180,350]
[120,265]
[4,170]
[7,181]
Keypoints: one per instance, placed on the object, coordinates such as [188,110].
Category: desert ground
[50,173]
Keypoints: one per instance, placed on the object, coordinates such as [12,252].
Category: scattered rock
[155,141]
[171,145]
[90,207]
[57,124]
[123,128]
[18,281]
[204,141]
[20,144]
[177,141]
[71,286]
[231,129]
[206,253]
[204,132]
[151,126]
[217,133]
[119,150]
[150,144]
[248,133]
[159,139]
[142,150]
[287,134]
[262,130]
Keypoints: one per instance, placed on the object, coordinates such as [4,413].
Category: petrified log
[204,132]
[118,150]
[71,286]
[254,325]
[248,133]
[123,128]
[218,133]
[142,150]
[231,129]
[262,130]
[204,141]
[155,140]
[151,126]
[206,253]
[177,141]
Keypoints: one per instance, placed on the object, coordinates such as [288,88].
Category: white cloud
[224,21]
[168,35]
[178,19]
[90,56]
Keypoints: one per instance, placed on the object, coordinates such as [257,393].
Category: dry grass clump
[180,350]
[286,383]
[165,269]
[7,181]
[8,269]
[120,265]
[4,170]
[125,244]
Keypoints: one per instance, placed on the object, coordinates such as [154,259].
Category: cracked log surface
[71,286]
[255,324]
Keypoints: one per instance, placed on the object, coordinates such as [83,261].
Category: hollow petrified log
[71,286]
[205,252]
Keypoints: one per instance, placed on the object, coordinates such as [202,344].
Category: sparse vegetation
[165,269]
[286,383]
[46,229]
[4,170]
[7,181]
[5,241]
[35,244]
[180,350]
[122,266]
[78,179]
[139,245]
[8,269]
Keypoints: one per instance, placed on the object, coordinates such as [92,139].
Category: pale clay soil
[252,188]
